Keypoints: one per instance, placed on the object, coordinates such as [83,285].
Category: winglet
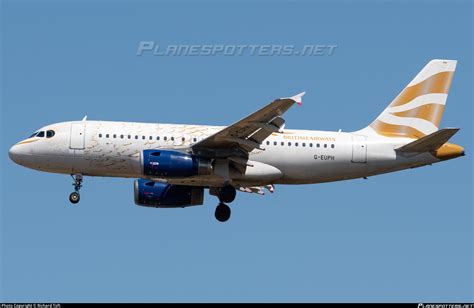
[298,98]
[84,118]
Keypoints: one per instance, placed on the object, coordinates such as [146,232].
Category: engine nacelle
[171,163]
[153,194]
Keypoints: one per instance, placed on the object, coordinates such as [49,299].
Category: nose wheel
[74,197]
[222,212]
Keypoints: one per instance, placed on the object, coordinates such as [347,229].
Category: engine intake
[174,164]
[153,194]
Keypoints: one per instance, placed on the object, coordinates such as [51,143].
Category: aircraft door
[359,149]
[78,134]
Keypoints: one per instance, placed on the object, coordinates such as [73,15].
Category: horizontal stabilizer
[430,142]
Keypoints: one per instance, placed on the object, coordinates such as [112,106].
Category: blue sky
[399,237]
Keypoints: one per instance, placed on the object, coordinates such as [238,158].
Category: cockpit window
[40,134]
[32,135]
[49,133]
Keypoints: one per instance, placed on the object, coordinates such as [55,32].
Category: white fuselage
[102,148]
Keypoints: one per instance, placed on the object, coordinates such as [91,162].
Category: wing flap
[275,126]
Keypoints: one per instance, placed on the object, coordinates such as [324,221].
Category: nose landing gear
[74,197]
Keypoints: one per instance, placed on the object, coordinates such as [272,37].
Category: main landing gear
[225,194]
[74,197]
[222,212]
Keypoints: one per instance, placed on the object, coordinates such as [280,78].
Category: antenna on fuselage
[84,118]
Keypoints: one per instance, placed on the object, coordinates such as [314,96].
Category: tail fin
[417,110]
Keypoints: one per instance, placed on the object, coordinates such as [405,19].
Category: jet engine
[152,194]
[171,163]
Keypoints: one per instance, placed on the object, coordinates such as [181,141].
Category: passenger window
[157,137]
[107,136]
[100,135]
[325,145]
[194,139]
[165,138]
[49,133]
[121,136]
[310,145]
[172,138]
[143,137]
[304,144]
[296,144]
[268,142]
[115,136]
[289,144]
[182,139]
[274,143]
[129,137]
[282,143]
[317,145]
[136,136]
[40,134]
[151,138]
[332,146]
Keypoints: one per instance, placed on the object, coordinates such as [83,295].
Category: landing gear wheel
[74,197]
[227,194]
[222,212]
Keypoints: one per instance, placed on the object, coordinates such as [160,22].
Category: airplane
[173,163]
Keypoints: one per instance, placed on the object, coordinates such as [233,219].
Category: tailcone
[449,151]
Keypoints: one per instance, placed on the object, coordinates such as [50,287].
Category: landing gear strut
[74,197]
[222,212]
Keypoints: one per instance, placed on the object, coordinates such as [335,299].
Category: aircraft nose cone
[16,153]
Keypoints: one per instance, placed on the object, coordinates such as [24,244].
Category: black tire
[227,194]
[222,212]
[74,197]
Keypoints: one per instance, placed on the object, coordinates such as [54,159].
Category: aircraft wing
[248,133]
